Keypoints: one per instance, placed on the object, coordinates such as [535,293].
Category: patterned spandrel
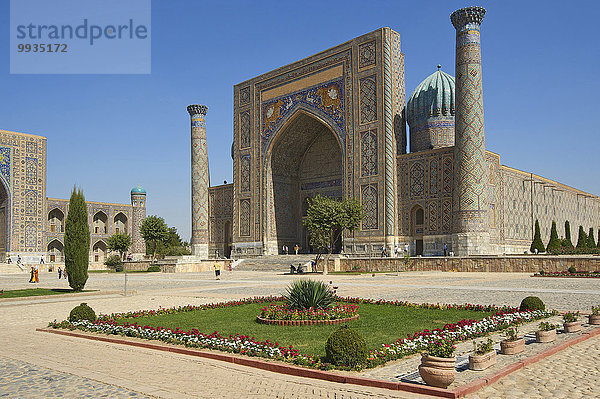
[368,153]
[245,173]
[370,206]
[245,129]
[366,54]
[368,100]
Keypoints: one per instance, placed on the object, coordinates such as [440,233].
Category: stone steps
[11,268]
[279,263]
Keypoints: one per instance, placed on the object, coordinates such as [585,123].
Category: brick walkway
[100,368]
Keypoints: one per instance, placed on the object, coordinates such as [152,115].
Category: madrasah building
[335,124]
[32,225]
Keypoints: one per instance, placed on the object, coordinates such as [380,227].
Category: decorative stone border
[298,371]
[304,322]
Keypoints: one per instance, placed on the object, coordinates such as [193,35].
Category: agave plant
[305,294]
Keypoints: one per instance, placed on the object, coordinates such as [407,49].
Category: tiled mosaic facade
[200,181]
[220,200]
[32,225]
[333,124]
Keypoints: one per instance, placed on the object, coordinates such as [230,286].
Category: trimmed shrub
[566,242]
[532,303]
[554,244]
[114,262]
[346,347]
[572,270]
[305,294]
[591,241]
[154,268]
[82,312]
[537,240]
[582,240]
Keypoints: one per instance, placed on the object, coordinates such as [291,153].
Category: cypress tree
[77,241]
[591,240]
[537,240]
[582,239]
[554,243]
[567,241]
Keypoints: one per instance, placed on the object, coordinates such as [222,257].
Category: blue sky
[108,133]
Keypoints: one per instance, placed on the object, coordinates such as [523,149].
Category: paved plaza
[40,365]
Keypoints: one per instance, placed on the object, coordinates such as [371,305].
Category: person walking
[445,250]
[31,277]
[59,272]
[42,260]
[296,249]
[217,267]
[36,276]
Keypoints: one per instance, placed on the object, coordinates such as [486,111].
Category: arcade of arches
[306,160]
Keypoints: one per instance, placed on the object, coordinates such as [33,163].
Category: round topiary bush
[532,303]
[82,312]
[572,270]
[346,347]
[154,268]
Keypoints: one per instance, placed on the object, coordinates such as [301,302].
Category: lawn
[378,324]
[37,292]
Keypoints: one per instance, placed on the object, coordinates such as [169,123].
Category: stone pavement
[138,371]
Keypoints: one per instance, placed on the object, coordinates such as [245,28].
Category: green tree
[119,242]
[554,243]
[154,230]
[566,242]
[537,240]
[582,239]
[173,245]
[327,218]
[591,240]
[77,241]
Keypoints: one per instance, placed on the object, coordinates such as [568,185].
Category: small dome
[433,97]
[138,190]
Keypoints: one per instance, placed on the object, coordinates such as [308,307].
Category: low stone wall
[137,266]
[527,264]
[183,266]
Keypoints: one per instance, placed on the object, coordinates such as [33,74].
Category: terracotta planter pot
[545,336]
[438,371]
[482,362]
[512,347]
[594,319]
[572,327]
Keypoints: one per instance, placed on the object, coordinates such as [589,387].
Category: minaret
[138,204]
[200,181]
[470,219]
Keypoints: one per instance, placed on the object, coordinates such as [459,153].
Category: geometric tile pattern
[369,203]
[245,129]
[417,180]
[368,99]
[368,153]
[30,170]
[200,175]
[366,54]
[470,168]
[244,173]
[244,217]
[245,96]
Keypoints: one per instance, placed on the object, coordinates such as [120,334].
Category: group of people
[286,250]
[35,277]
[62,273]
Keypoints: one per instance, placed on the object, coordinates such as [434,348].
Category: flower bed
[595,274]
[338,312]
[243,344]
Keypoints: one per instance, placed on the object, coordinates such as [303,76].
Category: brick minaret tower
[138,204]
[200,181]
[470,219]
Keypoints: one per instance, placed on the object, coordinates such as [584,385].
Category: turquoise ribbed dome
[433,97]
[138,190]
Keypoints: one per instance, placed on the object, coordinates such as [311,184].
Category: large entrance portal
[306,160]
